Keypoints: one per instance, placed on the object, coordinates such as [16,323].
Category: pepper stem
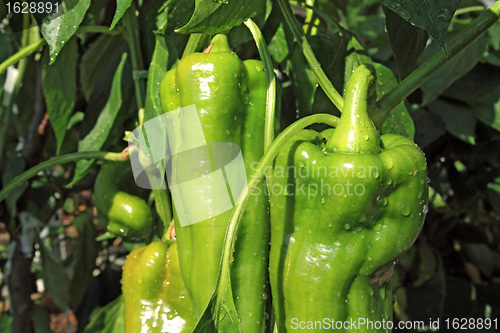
[356,132]
[219,44]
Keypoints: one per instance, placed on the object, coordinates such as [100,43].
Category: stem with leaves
[27,48]
[132,36]
[301,39]
[438,60]
[74,157]
[21,54]
[35,46]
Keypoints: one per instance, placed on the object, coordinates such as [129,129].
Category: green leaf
[427,299]
[488,296]
[494,36]
[121,8]
[97,137]
[75,119]
[356,55]
[490,115]
[356,11]
[163,58]
[6,323]
[429,126]
[435,199]
[41,320]
[83,258]
[11,168]
[228,319]
[5,49]
[494,194]
[108,319]
[218,16]
[278,47]
[407,42]
[480,86]
[59,87]
[399,120]
[459,301]
[55,277]
[96,58]
[331,52]
[341,4]
[3,14]
[482,256]
[59,30]
[459,120]
[457,67]
[304,83]
[433,16]
[165,16]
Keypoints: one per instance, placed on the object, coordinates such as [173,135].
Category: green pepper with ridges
[230,96]
[351,203]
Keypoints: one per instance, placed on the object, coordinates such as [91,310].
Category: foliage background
[88,72]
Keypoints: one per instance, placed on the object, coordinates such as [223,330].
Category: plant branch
[469,10]
[74,157]
[21,54]
[33,47]
[438,60]
[20,287]
[132,34]
[301,39]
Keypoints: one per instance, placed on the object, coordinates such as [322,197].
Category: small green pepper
[128,214]
[350,204]
[156,300]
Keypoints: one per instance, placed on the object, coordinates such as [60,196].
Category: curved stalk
[75,157]
[301,39]
[21,54]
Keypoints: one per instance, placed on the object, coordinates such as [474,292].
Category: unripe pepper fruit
[354,202]
[156,300]
[127,213]
[230,96]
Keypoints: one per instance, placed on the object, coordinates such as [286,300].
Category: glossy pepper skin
[156,299]
[127,213]
[230,96]
[356,202]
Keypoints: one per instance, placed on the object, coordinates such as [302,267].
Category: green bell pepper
[230,96]
[128,214]
[345,204]
[156,300]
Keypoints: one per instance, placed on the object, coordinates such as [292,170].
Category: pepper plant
[355,122]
